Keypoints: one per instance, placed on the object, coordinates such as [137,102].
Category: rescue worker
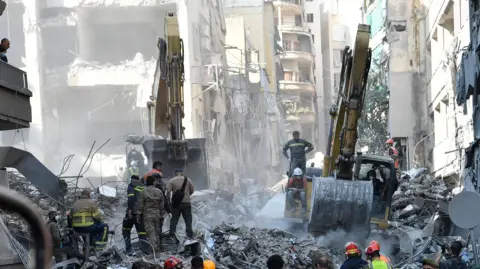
[379,191]
[208,264]
[86,218]
[196,262]
[153,211]
[354,257]
[179,184]
[134,156]
[56,237]
[133,169]
[382,257]
[133,215]
[452,259]
[173,263]
[297,152]
[430,264]
[393,152]
[296,188]
[374,260]
[157,173]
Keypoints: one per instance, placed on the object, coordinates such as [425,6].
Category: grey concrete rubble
[418,197]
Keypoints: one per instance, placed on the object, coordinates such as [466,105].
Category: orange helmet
[389,141]
[351,248]
[208,264]
[375,242]
[372,248]
[173,262]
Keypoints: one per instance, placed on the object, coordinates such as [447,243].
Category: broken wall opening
[60,45]
[115,35]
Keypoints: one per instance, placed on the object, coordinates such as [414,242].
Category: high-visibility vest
[379,264]
[84,219]
[135,171]
[395,157]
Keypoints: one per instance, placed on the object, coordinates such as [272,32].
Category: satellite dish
[462,210]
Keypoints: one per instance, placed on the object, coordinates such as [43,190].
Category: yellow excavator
[344,196]
[168,143]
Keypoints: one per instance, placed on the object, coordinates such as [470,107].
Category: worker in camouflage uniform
[152,208]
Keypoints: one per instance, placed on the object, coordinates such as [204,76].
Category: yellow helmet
[208,264]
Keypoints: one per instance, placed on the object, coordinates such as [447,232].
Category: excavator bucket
[194,165]
[340,204]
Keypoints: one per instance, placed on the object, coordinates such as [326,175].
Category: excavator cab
[382,169]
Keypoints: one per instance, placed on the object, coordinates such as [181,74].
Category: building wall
[446,31]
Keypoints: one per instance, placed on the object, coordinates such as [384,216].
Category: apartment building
[91,66]
[332,25]
[447,32]
[297,88]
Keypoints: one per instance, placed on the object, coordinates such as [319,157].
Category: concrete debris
[244,247]
[138,139]
[418,197]
[138,65]
[59,20]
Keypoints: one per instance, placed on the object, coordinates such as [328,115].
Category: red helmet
[372,248]
[389,141]
[375,242]
[352,248]
[173,262]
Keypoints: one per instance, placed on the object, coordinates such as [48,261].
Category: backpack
[178,195]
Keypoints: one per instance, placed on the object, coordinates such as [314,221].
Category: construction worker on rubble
[208,264]
[180,188]
[134,156]
[382,257]
[354,257]
[56,237]
[374,258]
[393,152]
[157,173]
[296,187]
[133,215]
[196,262]
[153,211]
[86,218]
[297,152]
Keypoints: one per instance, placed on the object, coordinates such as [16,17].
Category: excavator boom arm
[345,114]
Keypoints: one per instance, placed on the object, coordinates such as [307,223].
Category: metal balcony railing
[13,76]
[296,77]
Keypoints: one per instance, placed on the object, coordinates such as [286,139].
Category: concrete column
[84,26]
[33,47]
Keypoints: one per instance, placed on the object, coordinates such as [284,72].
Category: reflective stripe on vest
[379,264]
[134,172]
[83,219]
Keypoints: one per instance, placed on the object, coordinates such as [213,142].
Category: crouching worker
[86,218]
[296,188]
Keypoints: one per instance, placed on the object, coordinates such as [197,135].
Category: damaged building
[91,67]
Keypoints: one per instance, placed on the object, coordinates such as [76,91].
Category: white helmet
[297,172]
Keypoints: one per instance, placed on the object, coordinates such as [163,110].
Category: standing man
[4,46]
[393,152]
[297,152]
[156,173]
[181,188]
[56,237]
[86,218]
[453,260]
[152,208]
[137,157]
[133,215]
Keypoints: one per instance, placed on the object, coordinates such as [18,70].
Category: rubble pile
[245,247]
[20,184]
[418,198]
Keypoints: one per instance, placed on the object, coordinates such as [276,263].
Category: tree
[373,124]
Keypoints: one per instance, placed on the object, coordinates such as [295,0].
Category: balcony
[293,51]
[292,5]
[296,81]
[15,109]
[296,27]
[300,111]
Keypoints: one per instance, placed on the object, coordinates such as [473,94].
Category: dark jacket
[134,189]
[453,262]
[297,148]
[354,263]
